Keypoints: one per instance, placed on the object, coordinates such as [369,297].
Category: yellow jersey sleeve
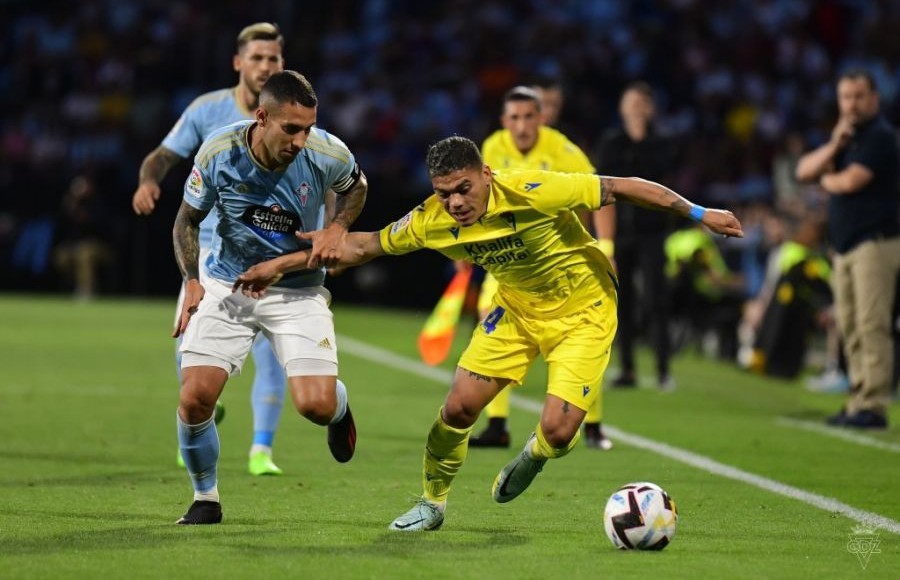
[553,192]
[405,235]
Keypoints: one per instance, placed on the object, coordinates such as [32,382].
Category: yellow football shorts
[575,347]
[488,290]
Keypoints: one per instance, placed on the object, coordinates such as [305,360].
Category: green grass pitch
[89,486]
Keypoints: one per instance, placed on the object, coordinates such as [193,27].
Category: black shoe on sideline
[202,512]
[866,420]
[491,437]
[625,381]
[342,438]
[594,437]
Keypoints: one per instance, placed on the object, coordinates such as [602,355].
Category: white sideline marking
[402,363]
[839,434]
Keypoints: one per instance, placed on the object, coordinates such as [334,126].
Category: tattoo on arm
[186,239]
[157,165]
[670,201]
[478,377]
[680,206]
[565,407]
[348,205]
[330,201]
[644,193]
[607,190]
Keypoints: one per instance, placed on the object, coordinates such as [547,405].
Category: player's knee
[459,413]
[194,408]
[558,435]
[315,406]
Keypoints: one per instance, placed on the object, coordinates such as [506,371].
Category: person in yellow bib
[556,297]
[526,142]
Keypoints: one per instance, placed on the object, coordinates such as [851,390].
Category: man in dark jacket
[858,168]
[638,149]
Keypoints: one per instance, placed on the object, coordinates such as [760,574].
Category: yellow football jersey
[552,152]
[546,263]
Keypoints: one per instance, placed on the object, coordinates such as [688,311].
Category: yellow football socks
[445,453]
[540,449]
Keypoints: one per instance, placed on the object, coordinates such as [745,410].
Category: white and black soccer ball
[640,516]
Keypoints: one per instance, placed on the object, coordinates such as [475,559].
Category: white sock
[208,495]
[340,390]
[257,448]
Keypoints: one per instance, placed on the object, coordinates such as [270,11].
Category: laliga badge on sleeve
[195,183]
[401,223]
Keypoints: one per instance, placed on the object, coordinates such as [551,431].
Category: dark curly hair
[452,154]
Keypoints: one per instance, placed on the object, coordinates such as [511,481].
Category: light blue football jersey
[204,115]
[259,209]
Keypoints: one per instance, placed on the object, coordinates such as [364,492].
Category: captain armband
[345,185]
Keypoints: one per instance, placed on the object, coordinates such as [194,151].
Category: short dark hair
[640,87]
[522,93]
[452,154]
[288,86]
[855,74]
[259,31]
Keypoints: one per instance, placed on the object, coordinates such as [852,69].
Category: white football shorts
[298,323]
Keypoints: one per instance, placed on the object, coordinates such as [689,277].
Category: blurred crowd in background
[88,88]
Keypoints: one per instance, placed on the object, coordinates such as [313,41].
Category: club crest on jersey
[195,183]
[454,231]
[510,219]
[530,186]
[401,223]
[303,193]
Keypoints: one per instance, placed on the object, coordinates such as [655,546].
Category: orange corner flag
[437,334]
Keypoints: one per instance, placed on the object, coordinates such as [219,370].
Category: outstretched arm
[652,195]
[356,248]
[327,243]
[186,239]
[155,167]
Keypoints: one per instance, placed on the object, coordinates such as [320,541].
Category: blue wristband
[697,212]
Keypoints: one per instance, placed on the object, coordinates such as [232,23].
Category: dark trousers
[643,261]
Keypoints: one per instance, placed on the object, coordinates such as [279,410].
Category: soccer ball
[640,516]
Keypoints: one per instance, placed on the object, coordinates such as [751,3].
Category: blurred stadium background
[88,88]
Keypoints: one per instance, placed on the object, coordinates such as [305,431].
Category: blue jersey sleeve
[199,191]
[185,136]
[345,175]
[338,163]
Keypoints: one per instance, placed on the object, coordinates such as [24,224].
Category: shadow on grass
[256,537]
[403,545]
[814,415]
[134,537]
